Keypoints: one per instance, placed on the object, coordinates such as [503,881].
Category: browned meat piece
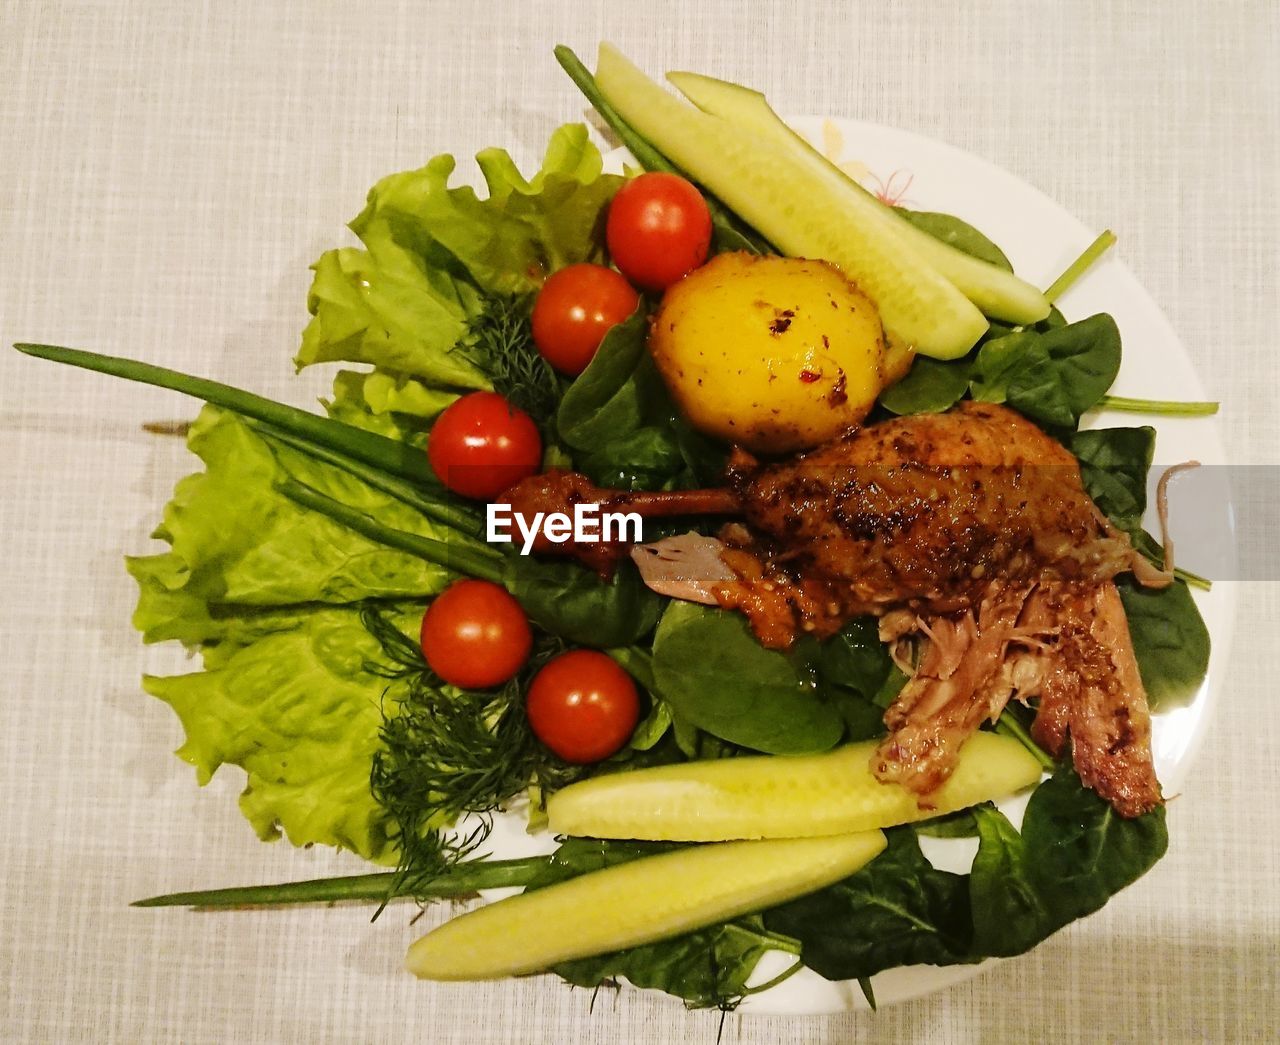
[1092,694]
[923,511]
[958,682]
[926,511]
[1067,644]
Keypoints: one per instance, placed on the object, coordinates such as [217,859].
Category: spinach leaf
[573,602]
[957,233]
[639,460]
[704,457]
[577,856]
[998,360]
[863,719]
[1051,377]
[1113,464]
[855,657]
[604,399]
[1081,851]
[1074,853]
[898,910]
[715,675]
[1170,641]
[652,728]
[930,387]
[961,824]
[617,413]
[852,667]
[1009,914]
[999,329]
[708,967]
[1080,361]
[730,234]
[891,687]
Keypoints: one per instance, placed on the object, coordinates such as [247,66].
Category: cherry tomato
[481,445]
[659,229]
[475,635]
[583,706]
[576,307]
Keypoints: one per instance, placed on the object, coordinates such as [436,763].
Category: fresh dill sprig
[446,753]
[500,341]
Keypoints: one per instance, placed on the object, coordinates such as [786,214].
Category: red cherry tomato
[576,307]
[475,635]
[659,229]
[583,706]
[481,445]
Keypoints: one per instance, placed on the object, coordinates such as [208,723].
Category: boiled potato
[774,354]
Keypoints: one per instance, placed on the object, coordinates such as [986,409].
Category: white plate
[1041,239]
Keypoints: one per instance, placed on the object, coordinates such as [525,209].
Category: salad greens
[300,559]
[1052,374]
[297,710]
[714,675]
[1072,854]
[433,253]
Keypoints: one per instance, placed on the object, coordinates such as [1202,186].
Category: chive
[369,448]
[645,154]
[1168,407]
[463,879]
[1077,268]
[461,554]
[432,500]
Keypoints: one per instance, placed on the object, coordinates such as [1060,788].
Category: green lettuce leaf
[238,548]
[300,714]
[432,252]
[393,405]
[382,306]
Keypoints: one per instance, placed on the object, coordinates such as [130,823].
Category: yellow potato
[774,354]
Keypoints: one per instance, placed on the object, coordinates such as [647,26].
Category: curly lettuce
[298,711]
[431,253]
[238,548]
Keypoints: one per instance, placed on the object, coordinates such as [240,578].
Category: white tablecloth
[168,172]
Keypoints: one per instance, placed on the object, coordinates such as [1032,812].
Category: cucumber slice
[780,796]
[998,293]
[635,903]
[800,208]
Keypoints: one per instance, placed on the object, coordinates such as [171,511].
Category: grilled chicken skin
[926,511]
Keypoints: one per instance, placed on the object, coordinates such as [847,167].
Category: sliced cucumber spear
[998,293]
[635,903]
[780,796]
[804,210]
